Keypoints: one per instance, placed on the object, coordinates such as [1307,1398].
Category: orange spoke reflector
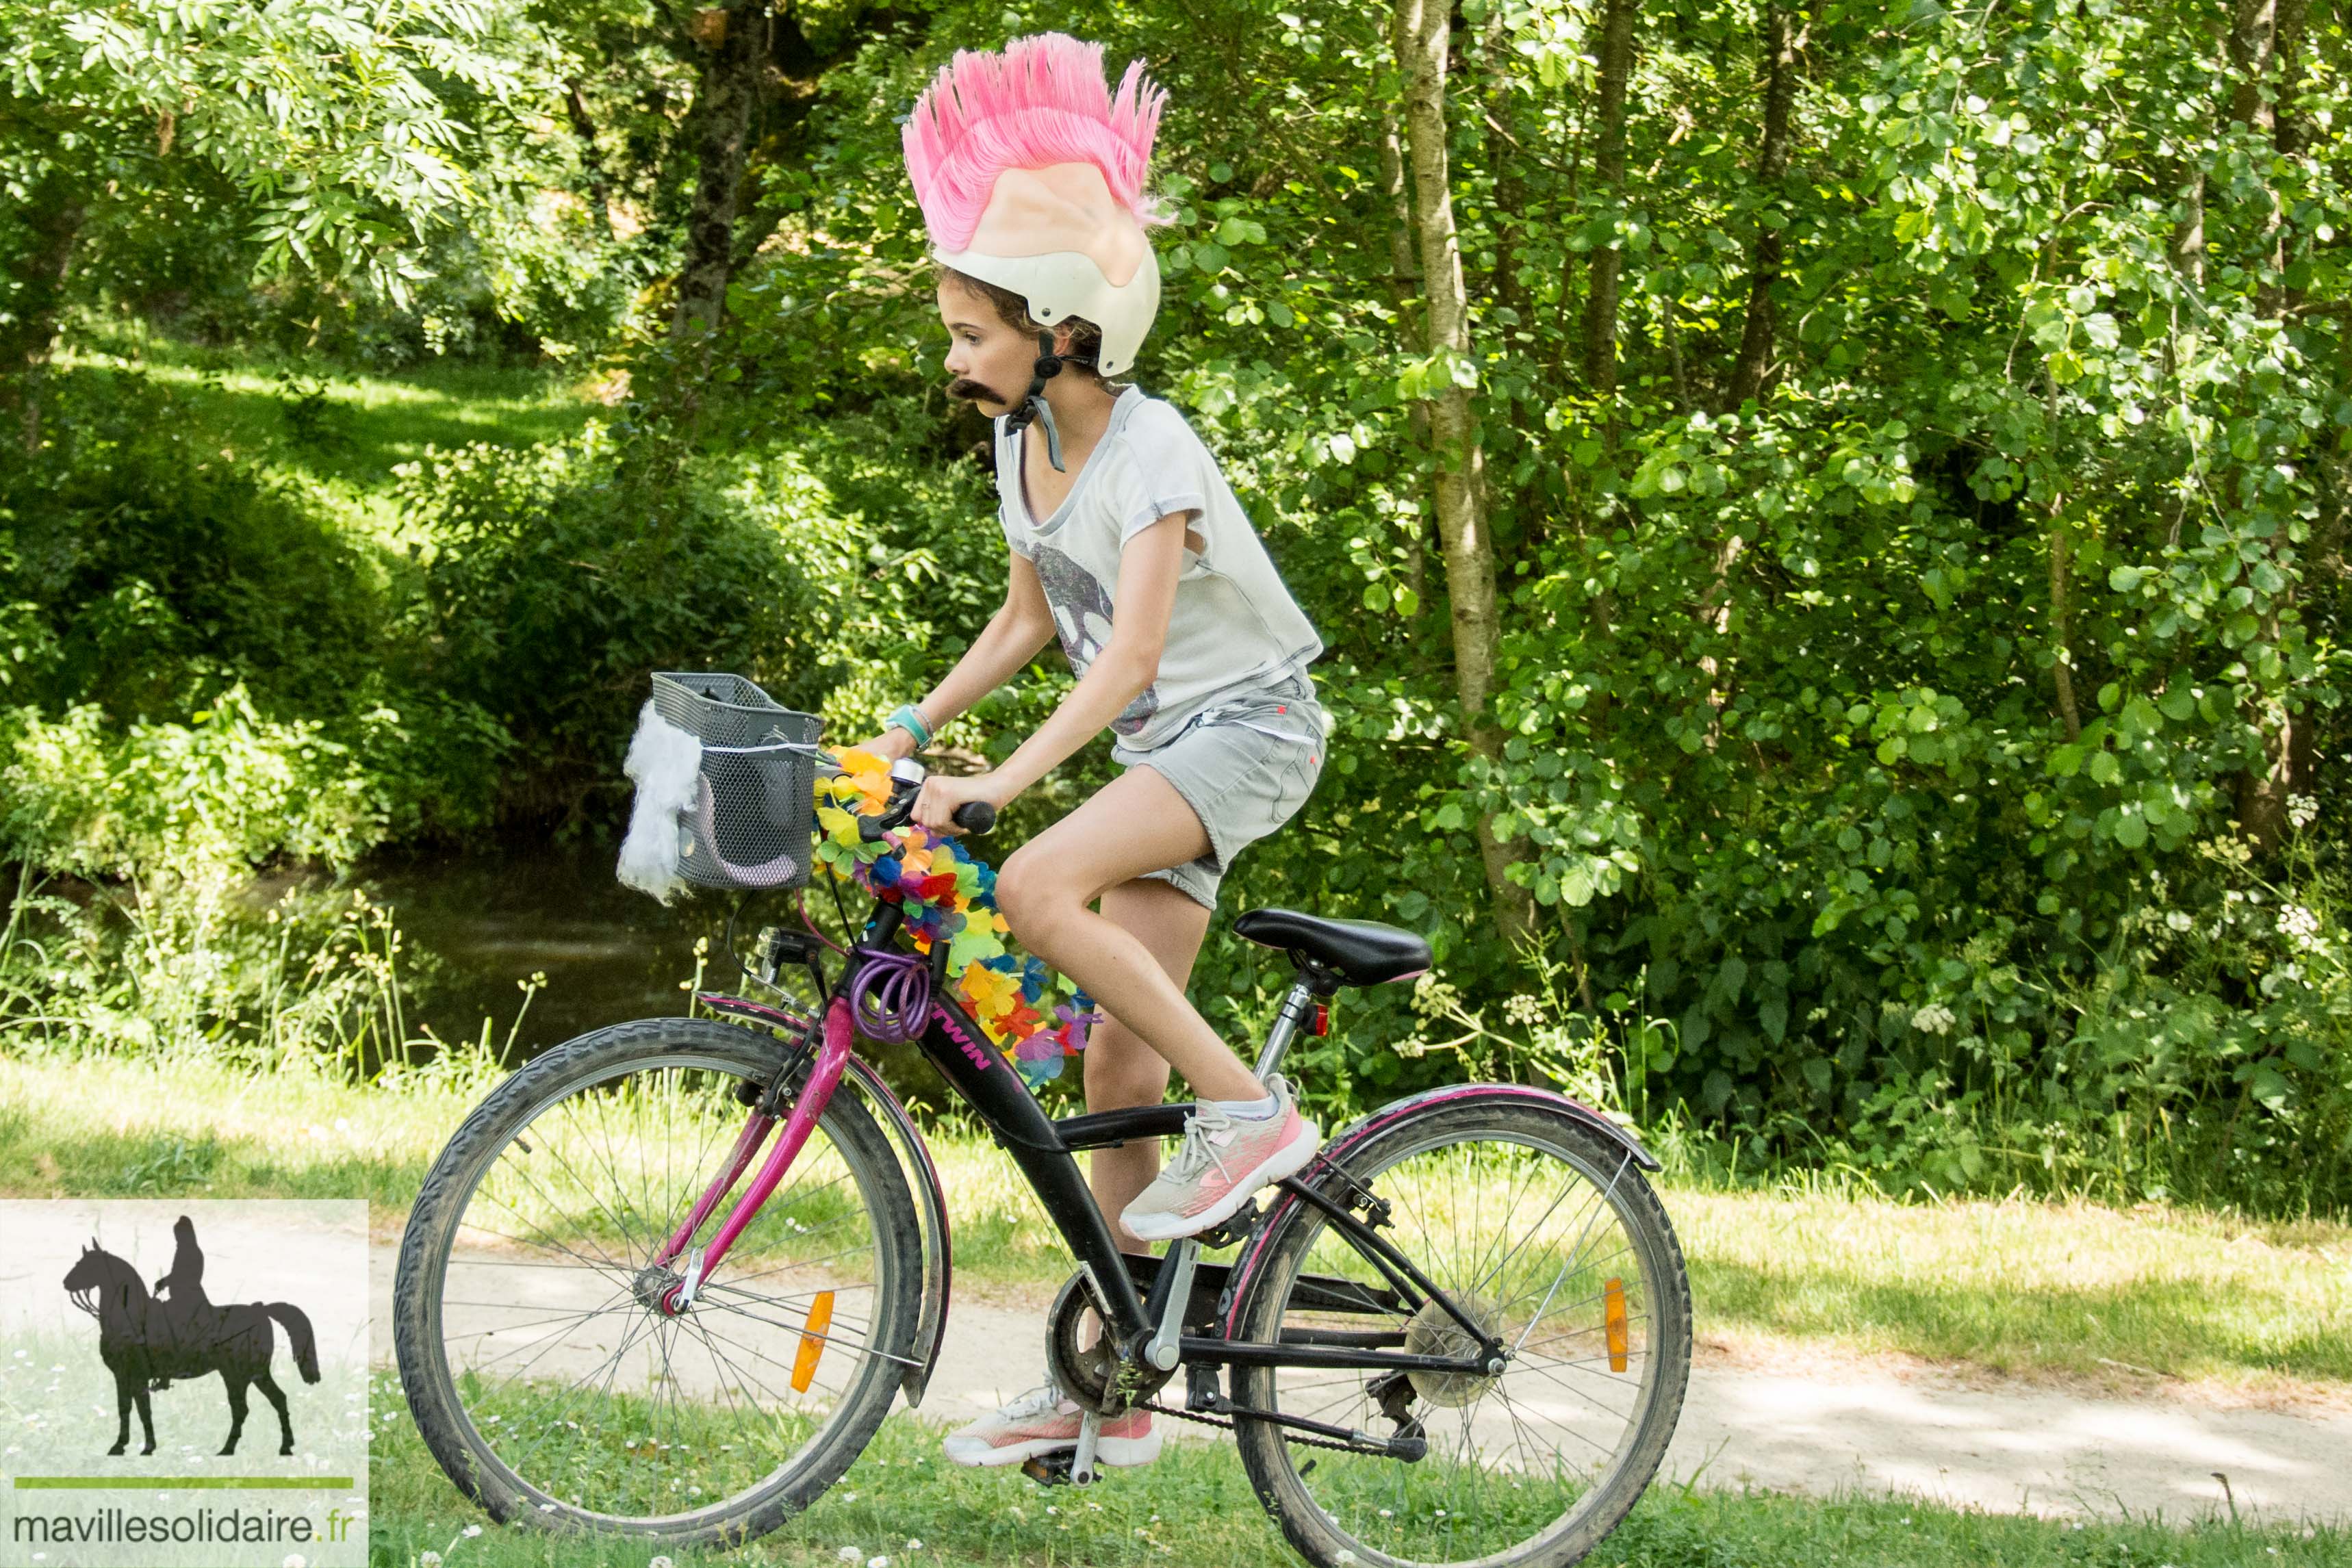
[821,1319]
[1612,1314]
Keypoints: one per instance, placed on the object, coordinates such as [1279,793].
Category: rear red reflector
[1322,1024]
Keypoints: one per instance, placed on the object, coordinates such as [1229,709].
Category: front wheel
[1543,1230]
[542,1375]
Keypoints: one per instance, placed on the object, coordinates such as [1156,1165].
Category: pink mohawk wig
[1043,101]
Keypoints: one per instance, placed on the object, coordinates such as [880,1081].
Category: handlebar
[906,777]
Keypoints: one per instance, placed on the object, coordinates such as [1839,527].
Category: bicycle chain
[1303,1440]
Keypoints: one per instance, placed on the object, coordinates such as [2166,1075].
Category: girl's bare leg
[1136,824]
[1122,1069]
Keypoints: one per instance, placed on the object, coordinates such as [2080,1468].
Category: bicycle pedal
[1050,1469]
[1234,1230]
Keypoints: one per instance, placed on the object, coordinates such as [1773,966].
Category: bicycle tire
[472,1462]
[1280,1469]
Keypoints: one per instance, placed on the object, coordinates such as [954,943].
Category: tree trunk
[2253,48]
[734,48]
[1608,173]
[1421,39]
[1784,36]
[2062,661]
[2189,237]
[54,214]
[1511,203]
[584,127]
[1404,291]
[2265,43]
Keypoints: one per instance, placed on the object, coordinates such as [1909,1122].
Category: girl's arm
[1015,634]
[1148,569]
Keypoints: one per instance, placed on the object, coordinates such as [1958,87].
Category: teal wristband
[905,717]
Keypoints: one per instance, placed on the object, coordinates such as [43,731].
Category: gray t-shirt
[1234,625]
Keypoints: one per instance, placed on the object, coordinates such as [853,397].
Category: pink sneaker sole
[1120,1451]
[1288,1160]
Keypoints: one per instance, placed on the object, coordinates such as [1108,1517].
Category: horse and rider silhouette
[147,1340]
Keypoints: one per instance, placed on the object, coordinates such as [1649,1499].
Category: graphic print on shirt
[1081,618]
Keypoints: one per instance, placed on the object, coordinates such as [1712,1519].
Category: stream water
[610,953]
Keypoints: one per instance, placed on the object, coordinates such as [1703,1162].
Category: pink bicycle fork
[832,1057]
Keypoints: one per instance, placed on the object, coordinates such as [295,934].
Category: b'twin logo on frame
[972,1053]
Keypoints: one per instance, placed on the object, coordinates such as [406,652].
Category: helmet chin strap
[1033,403]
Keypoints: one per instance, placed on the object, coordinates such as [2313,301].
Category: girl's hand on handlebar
[934,807]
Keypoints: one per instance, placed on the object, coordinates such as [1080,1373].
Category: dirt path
[1838,1426]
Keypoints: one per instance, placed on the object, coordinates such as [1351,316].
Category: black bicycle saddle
[1360,952]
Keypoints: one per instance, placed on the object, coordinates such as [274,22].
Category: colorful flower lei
[946,895]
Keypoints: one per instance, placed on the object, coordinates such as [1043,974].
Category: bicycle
[1462,1333]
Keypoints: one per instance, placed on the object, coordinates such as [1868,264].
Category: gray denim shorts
[1245,764]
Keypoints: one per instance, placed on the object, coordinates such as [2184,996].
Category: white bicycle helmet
[1030,176]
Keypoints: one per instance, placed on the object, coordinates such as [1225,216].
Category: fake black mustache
[975,392]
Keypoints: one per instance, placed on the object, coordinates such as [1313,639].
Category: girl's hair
[1086,338]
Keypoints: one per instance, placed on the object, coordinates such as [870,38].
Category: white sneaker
[1042,1422]
[1222,1160]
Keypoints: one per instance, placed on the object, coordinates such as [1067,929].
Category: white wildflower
[1433,996]
[914,1544]
[2178,920]
[850,1554]
[1934,1018]
[2298,925]
[470,1531]
[880,1561]
[429,1560]
[294,1559]
[660,1563]
[1523,1010]
[2302,811]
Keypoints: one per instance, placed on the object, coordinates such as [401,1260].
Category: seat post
[1286,1025]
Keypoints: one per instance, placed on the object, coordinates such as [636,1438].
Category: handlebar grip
[972,817]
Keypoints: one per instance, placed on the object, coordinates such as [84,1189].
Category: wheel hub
[1434,1332]
[652,1288]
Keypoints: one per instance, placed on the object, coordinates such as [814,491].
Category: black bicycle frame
[1044,1151]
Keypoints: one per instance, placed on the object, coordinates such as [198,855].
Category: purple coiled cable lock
[892,997]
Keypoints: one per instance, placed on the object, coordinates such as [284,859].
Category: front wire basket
[753,821]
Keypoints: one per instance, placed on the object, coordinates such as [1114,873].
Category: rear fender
[1364,1128]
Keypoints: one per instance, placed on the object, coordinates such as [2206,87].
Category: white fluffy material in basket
[667,764]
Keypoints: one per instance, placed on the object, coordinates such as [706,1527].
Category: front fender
[922,1176]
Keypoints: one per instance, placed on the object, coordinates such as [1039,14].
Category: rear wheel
[539,1371]
[1544,1231]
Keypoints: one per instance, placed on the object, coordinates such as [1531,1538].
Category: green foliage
[323,117]
[1885,752]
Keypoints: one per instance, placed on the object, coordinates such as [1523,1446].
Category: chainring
[1088,1374]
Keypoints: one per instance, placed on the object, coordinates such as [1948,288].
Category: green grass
[1948,1279]
[343,457]
[2015,1288]
[1194,1507]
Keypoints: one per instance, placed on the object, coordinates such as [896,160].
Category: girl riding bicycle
[1127,544]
